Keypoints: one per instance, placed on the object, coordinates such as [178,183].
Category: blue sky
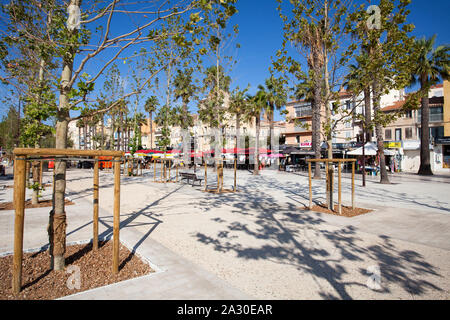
[260,36]
[261,33]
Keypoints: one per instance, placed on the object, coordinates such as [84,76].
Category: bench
[190,177]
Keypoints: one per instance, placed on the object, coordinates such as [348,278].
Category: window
[387,134]
[408,114]
[436,132]
[408,133]
[348,105]
[298,139]
[303,110]
[398,134]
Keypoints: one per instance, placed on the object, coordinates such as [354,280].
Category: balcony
[434,117]
[303,113]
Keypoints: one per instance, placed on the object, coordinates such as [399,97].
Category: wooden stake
[162,163]
[353,186]
[41,169]
[177,173]
[154,170]
[310,186]
[339,188]
[116,227]
[19,205]
[95,219]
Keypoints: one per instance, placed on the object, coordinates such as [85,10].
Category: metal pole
[310,186]
[116,226]
[339,188]
[95,219]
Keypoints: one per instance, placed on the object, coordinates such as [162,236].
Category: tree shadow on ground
[302,239]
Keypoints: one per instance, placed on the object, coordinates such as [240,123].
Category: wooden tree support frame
[165,176]
[327,163]
[21,155]
[220,189]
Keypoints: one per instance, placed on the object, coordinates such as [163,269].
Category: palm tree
[237,107]
[430,66]
[254,107]
[150,106]
[79,124]
[184,90]
[275,96]
[305,90]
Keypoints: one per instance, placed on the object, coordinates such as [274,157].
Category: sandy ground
[260,241]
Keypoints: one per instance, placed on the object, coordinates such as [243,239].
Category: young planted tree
[430,66]
[80,33]
[386,61]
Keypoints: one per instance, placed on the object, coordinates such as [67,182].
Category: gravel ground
[28,204]
[39,282]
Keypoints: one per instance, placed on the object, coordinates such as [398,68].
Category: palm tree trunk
[367,114]
[151,130]
[316,138]
[379,134]
[425,161]
[258,127]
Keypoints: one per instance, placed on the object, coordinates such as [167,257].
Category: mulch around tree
[28,205]
[39,282]
[46,185]
[346,211]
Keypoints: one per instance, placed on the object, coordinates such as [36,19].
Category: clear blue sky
[261,33]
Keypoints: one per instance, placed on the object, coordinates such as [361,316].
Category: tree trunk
[35,196]
[151,130]
[425,161]
[316,138]
[258,126]
[379,134]
[57,219]
[367,114]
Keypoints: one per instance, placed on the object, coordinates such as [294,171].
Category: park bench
[190,177]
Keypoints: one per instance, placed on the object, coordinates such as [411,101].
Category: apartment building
[347,128]
[404,134]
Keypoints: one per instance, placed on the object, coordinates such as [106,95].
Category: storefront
[444,151]
[393,152]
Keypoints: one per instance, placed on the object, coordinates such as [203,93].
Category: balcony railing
[434,117]
[306,113]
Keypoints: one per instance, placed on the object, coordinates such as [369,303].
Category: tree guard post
[116,226]
[154,170]
[310,186]
[19,205]
[96,204]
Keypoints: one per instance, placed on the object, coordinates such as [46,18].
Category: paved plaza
[259,243]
